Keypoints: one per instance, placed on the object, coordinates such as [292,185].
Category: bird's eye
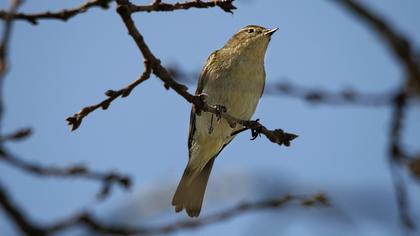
[251,31]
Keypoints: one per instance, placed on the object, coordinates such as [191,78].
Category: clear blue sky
[57,68]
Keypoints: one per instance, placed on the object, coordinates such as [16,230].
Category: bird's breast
[238,88]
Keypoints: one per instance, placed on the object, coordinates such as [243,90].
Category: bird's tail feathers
[190,191]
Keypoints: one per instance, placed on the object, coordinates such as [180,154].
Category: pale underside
[239,90]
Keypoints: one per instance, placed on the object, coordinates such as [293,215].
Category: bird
[232,78]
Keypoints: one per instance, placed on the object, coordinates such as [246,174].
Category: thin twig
[75,120]
[156,6]
[62,15]
[225,5]
[77,171]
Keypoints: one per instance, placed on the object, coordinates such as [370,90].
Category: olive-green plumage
[233,77]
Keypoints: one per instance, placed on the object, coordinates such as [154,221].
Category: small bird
[233,78]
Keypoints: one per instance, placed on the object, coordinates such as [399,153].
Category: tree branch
[403,51]
[76,171]
[16,136]
[397,158]
[345,97]
[399,44]
[225,5]
[18,217]
[95,225]
[75,120]
[63,15]
[124,10]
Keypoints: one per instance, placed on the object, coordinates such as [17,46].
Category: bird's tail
[190,192]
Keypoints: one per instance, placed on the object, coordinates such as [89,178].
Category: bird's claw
[256,129]
[219,110]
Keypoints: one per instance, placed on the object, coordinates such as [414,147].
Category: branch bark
[76,171]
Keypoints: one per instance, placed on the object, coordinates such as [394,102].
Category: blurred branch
[17,135]
[396,159]
[345,97]
[398,43]
[64,15]
[94,225]
[414,166]
[4,45]
[76,171]
[17,216]
[404,52]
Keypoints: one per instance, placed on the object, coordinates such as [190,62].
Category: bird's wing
[263,87]
[204,77]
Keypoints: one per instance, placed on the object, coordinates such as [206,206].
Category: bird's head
[252,38]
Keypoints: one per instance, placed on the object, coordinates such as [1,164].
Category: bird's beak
[271,32]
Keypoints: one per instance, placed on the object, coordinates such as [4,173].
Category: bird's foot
[201,101]
[219,111]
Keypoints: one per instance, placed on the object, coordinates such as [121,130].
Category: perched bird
[233,78]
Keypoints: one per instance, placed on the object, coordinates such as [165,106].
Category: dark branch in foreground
[398,43]
[18,216]
[76,171]
[396,159]
[404,52]
[94,225]
[64,15]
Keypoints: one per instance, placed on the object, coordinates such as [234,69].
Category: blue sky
[57,68]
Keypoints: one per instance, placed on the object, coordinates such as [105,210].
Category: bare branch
[63,15]
[396,158]
[94,225]
[398,43]
[18,217]
[345,97]
[276,136]
[16,136]
[4,43]
[76,171]
[75,120]
[402,51]
[225,5]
